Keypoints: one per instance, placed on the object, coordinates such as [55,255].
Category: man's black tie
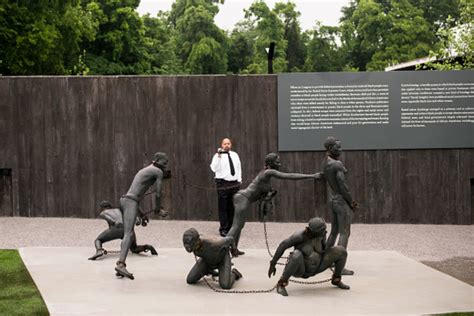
[231,164]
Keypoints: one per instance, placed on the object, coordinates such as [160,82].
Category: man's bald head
[226,144]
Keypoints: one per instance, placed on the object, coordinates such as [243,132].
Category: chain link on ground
[215,289]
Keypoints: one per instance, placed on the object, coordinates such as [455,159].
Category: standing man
[228,176]
[153,174]
[341,203]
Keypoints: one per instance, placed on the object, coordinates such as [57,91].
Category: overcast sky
[327,12]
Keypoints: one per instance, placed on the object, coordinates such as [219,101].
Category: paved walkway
[71,284]
[385,283]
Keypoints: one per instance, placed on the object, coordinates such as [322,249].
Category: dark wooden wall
[74,141]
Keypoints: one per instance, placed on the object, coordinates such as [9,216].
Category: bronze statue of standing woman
[259,189]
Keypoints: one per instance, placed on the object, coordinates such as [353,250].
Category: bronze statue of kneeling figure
[212,258]
[114,218]
[309,257]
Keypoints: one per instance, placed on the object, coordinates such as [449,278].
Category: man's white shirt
[221,167]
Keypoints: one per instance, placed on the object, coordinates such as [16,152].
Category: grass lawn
[18,292]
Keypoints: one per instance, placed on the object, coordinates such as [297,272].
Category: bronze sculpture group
[312,252]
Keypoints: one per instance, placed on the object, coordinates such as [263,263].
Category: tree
[436,12]
[456,44]
[324,54]
[119,47]
[407,36]
[361,25]
[207,57]
[201,45]
[179,7]
[296,49]
[43,37]
[241,50]
[161,45]
[265,27]
[378,33]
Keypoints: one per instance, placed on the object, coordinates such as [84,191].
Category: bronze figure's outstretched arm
[289,176]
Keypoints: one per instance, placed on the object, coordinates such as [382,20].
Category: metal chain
[199,187]
[237,291]
[266,243]
[108,252]
[217,290]
[243,184]
[186,184]
[309,282]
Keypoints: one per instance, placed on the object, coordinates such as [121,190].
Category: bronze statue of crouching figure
[114,218]
[213,258]
[309,257]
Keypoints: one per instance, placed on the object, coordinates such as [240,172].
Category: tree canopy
[81,37]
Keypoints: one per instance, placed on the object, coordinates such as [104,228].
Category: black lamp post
[270,51]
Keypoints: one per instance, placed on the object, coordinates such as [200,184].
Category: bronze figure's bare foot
[347,272]
[237,274]
[236,252]
[122,271]
[99,253]
[338,282]
[281,288]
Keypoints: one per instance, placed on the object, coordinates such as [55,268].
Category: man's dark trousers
[225,193]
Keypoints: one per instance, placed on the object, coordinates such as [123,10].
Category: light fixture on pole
[270,52]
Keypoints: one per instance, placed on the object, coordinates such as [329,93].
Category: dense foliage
[40,37]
